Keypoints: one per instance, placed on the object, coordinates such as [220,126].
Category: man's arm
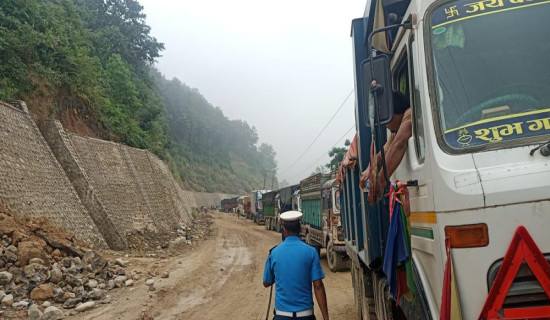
[394,156]
[321,297]
[268,278]
[398,147]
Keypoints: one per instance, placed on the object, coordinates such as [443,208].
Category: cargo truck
[321,224]
[284,202]
[228,205]
[476,77]
[333,230]
[243,205]
[270,209]
[256,211]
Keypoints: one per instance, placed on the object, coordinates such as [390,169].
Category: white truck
[477,76]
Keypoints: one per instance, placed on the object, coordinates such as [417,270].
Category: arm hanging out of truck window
[394,150]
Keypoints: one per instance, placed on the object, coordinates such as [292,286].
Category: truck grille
[525,290]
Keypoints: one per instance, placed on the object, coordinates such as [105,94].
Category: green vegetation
[93,59]
[337,154]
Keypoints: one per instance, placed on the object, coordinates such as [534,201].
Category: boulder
[10,257]
[36,260]
[63,296]
[31,249]
[85,306]
[5,278]
[57,255]
[121,262]
[12,248]
[95,294]
[52,313]
[34,313]
[56,275]
[71,303]
[119,281]
[92,284]
[7,301]
[42,292]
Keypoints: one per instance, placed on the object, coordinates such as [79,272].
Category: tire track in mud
[230,255]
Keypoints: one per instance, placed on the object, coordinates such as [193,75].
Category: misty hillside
[89,63]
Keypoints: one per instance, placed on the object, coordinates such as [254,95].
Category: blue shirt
[293,266]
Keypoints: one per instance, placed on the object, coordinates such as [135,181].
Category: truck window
[490,74]
[401,77]
[418,124]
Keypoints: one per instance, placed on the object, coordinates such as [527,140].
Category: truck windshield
[491,70]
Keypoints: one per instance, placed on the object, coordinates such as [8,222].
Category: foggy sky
[283,66]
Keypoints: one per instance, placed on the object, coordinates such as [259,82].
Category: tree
[119,27]
[337,154]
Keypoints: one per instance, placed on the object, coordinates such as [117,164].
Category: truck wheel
[385,304]
[337,261]
[357,290]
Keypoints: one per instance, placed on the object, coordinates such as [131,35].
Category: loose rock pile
[147,241]
[44,269]
[46,273]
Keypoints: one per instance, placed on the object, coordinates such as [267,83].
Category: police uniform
[293,266]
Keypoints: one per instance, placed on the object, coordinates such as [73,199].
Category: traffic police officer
[293,266]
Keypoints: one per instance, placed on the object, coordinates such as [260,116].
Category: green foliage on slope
[94,58]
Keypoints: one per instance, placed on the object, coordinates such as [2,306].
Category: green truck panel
[269,211]
[312,213]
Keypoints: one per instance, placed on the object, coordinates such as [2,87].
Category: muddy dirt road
[220,279]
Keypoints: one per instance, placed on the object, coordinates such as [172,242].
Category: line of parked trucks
[317,197]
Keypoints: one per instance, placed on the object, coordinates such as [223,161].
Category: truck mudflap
[522,248]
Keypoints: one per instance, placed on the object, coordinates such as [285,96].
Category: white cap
[291,216]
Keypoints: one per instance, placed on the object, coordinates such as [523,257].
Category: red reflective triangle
[522,248]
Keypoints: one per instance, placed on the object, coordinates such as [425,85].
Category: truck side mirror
[382,90]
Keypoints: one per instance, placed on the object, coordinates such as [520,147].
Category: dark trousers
[276,317]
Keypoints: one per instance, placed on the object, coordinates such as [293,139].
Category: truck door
[416,166]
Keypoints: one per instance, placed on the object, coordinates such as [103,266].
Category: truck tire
[384,303]
[357,290]
[337,261]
